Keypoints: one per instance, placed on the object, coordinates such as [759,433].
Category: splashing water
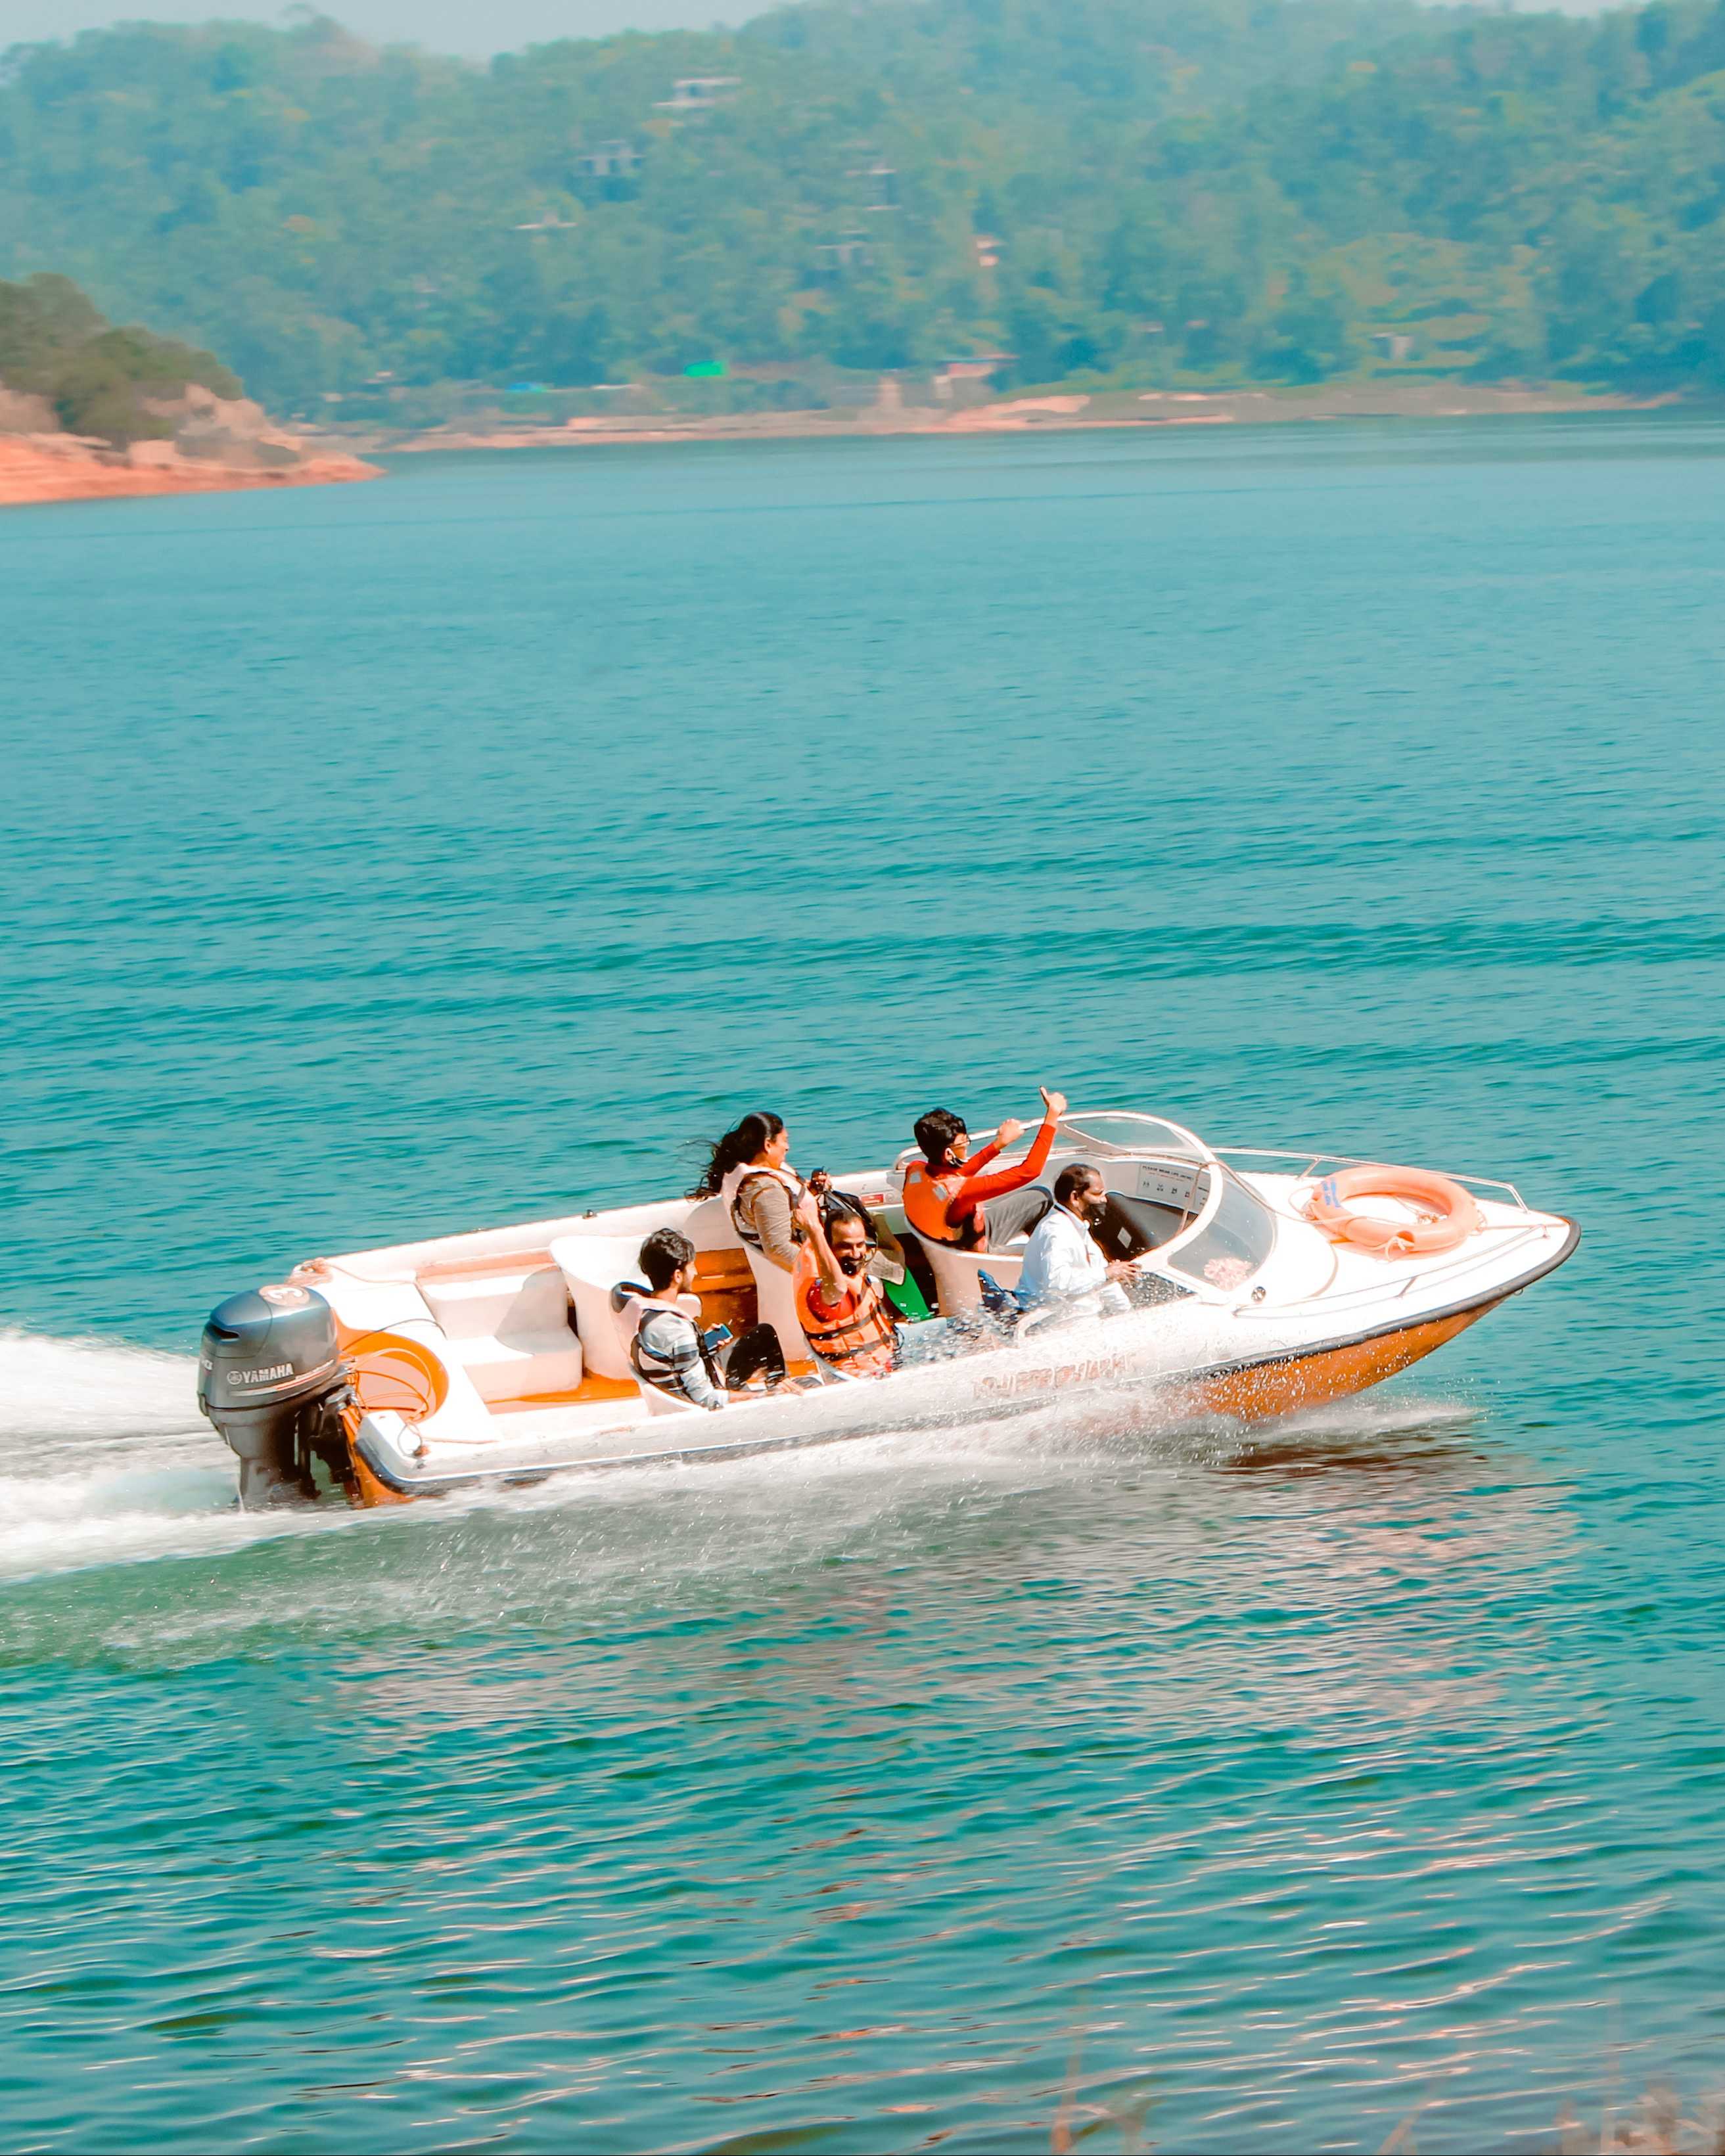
[103,1455]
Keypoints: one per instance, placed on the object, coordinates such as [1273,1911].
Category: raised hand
[1009,1132]
[1055,1103]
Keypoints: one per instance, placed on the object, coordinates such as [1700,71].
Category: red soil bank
[32,470]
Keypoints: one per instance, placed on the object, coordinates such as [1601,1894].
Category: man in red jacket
[949,1200]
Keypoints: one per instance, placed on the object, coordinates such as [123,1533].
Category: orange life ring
[1449,1214]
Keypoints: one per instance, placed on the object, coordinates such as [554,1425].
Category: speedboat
[1262,1282]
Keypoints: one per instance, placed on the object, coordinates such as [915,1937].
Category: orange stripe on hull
[1308,1381]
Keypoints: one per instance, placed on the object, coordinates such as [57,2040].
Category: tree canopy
[55,344]
[1163,191]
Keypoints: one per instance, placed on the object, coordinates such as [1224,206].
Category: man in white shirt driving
[1064,1267]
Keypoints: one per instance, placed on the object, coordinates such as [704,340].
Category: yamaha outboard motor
[271,1379]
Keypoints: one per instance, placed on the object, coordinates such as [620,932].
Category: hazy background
[945,200]
[478,26]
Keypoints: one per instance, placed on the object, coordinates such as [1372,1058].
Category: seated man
[948,1198]
[1063,1266]
[845,1315]
[670,1352]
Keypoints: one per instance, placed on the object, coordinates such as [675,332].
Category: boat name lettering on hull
[1089,1373]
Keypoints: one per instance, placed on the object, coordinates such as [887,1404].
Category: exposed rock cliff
[50,467]
[87,409]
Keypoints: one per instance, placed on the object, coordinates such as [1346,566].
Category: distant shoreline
[1056,411]
[35,468]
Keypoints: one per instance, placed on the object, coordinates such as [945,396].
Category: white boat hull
[495,1358]
[1181,1361]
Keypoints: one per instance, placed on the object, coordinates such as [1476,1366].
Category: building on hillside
[607,161]
[979,366]
[881,186]
[843,257]
[693,94]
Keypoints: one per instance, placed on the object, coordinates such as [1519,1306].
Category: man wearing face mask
[850,1323]
[1063,1266]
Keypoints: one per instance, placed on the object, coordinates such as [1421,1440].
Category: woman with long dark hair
[748,1170]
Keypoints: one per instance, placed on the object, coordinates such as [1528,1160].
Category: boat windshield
[1124,1130]
[1236,1240]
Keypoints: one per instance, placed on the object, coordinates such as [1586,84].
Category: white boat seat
[370,1309]
[955,1273]
[523,1368]
[776,1300]
[591,1266]
[708,1226]
[509,1328]
[485,1304]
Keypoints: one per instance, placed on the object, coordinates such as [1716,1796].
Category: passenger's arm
[978,1189]
[771,1209]
[831,1284]
[978,1160]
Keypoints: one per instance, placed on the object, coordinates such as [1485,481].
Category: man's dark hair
[935,1131]
[1075,1176]
[661,1254]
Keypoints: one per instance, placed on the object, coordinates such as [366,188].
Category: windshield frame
[1188,1150]
[1224,1182]
[1191,1147]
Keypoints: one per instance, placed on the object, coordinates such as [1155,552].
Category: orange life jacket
[862,1344]
[928,1193]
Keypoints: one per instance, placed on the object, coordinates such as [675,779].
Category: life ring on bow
[1448,1215]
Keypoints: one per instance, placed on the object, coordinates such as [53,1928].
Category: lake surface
[388,860]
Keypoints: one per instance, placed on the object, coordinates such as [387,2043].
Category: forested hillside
[89,377]
[1146,191]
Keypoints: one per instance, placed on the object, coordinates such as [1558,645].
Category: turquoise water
[397,858]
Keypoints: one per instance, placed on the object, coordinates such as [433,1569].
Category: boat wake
[102,1453]
[104,1459]
[89,1389]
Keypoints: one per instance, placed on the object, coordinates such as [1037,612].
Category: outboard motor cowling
[271,1378]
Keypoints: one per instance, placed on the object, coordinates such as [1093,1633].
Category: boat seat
[591,1266]
[955,1272]
[509,1326]
[726,1287]
[708,1225]
[776,1300]
[738,1287]
[370,1312]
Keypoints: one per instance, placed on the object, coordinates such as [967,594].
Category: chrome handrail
[1315,1160]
